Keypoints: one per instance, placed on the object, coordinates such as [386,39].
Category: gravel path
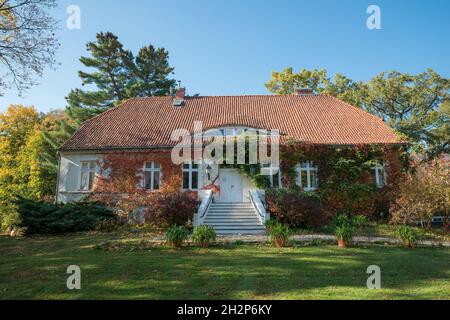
[310,237]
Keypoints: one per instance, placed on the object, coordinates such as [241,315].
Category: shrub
[46,218]
[297,209]
[270,223]
[279,234]
[408,235]
[203,235]
[423,193]
[167,209]
[176,235]
[360,221]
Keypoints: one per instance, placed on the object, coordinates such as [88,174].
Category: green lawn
[36,269]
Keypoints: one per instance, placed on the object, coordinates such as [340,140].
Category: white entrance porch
[231,186]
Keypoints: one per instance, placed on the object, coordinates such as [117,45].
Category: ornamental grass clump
[176,235]
[408,235]
[360,221]
[279,234]
[204,235]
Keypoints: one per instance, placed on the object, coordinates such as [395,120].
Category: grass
[35,268]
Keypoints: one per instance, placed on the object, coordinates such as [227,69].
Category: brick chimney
[305,92]
[180,94]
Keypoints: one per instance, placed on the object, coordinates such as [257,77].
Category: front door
[231,185]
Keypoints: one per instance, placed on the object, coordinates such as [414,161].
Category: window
[152,176]
[307,176]
[87,175]
[190,176]
[274,176]
[380,174]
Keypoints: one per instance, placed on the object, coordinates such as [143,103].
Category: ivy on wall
[346,183]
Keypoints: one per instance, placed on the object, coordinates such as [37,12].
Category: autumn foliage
[119,186]
[423,193]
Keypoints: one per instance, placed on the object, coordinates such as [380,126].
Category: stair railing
[263,215]
[204,206]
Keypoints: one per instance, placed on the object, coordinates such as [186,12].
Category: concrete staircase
[233,218]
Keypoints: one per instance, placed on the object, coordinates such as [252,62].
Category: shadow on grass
[219,272]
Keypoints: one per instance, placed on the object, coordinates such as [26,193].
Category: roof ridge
[238,96]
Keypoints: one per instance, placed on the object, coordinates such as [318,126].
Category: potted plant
[344,235]
[279,234]
[176,235]
[204,235]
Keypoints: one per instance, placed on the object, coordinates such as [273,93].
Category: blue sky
[228,47]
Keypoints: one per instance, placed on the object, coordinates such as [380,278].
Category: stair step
[253,226]
[230,206]
[232,212]
[231,217]
[233,223]
[243,232]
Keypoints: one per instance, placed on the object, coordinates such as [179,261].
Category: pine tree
[149,72]
[118,76]
[109,79]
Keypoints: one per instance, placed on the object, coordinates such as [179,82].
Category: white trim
[89,169]
[380,175]
[191,170]
[152,170]
[309,168]
[271,174]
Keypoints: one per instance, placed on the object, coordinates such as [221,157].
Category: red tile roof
[149,122]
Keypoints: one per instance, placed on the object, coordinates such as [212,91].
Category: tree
[149,72]
[109,78]
[423,193]
[27,41]
[341,87]
[57,128]
[28,158]
[17,128]
[118,76]
[415,106]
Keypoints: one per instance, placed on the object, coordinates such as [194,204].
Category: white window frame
[271,174]
[379,170]
[152,171]
[307,167]
[191,171]
[91,167]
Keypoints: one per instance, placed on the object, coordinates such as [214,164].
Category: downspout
[57,178]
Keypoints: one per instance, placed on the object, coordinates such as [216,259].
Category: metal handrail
[256,207]
[210,198]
